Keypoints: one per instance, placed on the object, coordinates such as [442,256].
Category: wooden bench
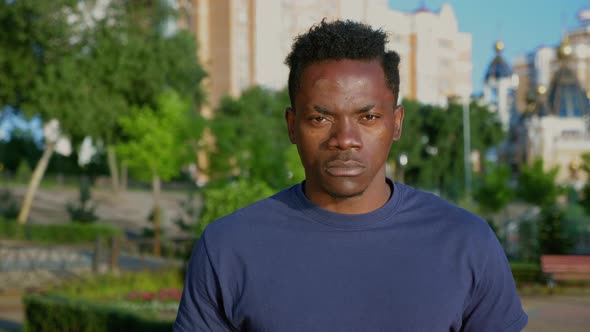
[565,267]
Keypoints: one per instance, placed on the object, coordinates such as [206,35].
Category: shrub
[526,273]
[221,201]
[23,172]
[58,234]
[84,210]
[107,303]
[8,205]
[51,313]
[118,287]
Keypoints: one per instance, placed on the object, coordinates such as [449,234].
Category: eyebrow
[325,111]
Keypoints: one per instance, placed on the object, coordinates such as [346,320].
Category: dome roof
[566,98]
[498,68]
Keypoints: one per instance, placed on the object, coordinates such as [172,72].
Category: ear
[290,119]
[398,120]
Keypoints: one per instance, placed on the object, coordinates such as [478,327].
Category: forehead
[347,77]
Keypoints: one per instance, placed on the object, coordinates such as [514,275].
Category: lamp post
[467,147]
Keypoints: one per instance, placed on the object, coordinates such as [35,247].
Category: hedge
[56,234]
[46,313]
[526,272]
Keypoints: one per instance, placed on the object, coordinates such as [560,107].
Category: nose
[345,135]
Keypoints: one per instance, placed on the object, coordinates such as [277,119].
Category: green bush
[57,234]
[8,205]
[221,201]
[50,313]
[83,211]
[526,273]
[23,172]
[116,287]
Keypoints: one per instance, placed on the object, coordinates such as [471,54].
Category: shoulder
[249,219]
[446,217]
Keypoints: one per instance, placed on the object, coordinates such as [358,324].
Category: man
[348,249]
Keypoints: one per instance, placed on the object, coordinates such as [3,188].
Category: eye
[370,117]
[318,119]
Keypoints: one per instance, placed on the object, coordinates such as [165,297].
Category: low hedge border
[49,313]
[526,273]
[56,234]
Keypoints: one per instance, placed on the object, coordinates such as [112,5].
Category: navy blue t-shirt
[283,264]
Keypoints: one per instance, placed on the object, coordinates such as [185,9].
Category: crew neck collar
[350,221]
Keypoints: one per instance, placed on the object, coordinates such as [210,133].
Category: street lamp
[467,147]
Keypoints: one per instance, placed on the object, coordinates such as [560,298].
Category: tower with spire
[555,124]
[499,87]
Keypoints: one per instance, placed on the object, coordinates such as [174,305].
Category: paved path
[557,313]
[546,313]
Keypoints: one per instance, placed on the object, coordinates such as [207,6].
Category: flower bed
[146,301]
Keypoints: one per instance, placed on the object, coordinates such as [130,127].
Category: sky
[523,25]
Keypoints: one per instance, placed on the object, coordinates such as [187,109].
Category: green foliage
[536,186]
[432,139]
[8,205]
[109,287]
[94,303]
[159,139]
[493,191]
[47,313]
[252,140]
[122,63]
[528,241]
[34,33]
[526,273]
[553,236]
[294,167]
[21,148]
[57,234]
[23,172]
[84,210]
[225,199]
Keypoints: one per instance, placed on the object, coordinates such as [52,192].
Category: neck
[374,197]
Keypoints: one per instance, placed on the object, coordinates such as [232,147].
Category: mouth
[344,168]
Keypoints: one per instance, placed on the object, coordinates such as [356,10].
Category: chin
[343,189]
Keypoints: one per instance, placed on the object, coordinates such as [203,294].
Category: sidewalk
[557,313]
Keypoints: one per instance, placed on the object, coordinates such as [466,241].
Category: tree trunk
[25,208]
[113,168]
[157,214]
[123,187]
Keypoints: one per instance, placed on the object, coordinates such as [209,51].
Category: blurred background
[126,126]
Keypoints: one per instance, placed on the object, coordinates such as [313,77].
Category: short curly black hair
[338,40]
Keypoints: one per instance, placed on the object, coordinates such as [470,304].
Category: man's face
[344,121]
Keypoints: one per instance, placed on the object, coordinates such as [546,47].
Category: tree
[535,186]
[159,144]
[432,140]
[34,34]
[20,148]
[493,191]
[93,70]
[553,236]
[127,60]
[251,138]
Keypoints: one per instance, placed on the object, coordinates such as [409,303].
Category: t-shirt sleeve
[201,306]
[494,304]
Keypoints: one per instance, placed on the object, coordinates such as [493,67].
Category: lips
[344,168]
